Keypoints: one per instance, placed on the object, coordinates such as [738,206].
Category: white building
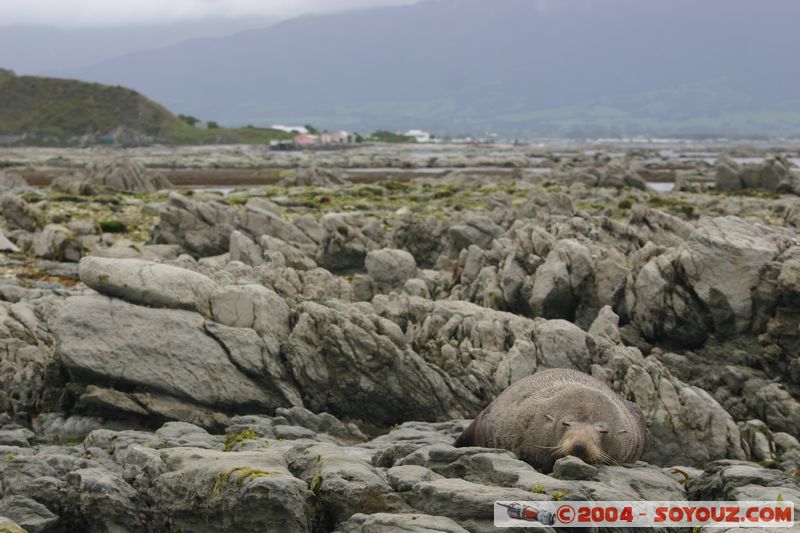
[302,130]
[419,135]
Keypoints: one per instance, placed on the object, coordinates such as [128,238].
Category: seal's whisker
[607,459]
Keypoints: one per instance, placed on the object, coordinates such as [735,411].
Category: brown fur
[560,412]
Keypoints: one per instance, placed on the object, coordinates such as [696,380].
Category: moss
[239,199]
[32,197]
[62,197]
[242,475]
[9,457]
[112,226]
[232,440]
[12,529]
[395,186]
[316,483]
[537,489]
[368,191]
[559,495]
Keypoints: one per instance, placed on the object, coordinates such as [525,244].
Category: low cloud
[77,13]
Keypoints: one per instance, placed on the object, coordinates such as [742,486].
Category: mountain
[42,49]
[49,111]
[536,67]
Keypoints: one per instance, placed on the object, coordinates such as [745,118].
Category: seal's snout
[579,449]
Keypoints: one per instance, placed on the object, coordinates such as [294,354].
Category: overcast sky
[99,13]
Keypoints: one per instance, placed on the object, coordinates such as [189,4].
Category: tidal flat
[233,338]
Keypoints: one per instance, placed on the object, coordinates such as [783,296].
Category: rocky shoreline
[301,356]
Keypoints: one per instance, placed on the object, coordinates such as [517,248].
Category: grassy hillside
[50,111]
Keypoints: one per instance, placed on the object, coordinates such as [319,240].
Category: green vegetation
[190,120]
[232,440]
[242,474]
[390,137]
[55,112]
[112,226]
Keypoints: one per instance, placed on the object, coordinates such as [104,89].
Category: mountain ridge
[516,66]
[36,110]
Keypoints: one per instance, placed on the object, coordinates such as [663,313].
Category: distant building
[419,135]
[336,137]
[304,139]
[291,129]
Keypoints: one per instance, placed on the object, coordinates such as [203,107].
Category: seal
[560,412]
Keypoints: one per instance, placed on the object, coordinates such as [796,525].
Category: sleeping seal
[560,412]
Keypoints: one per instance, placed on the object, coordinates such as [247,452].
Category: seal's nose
[578,449]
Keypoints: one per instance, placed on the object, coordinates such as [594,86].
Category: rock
[6,245]
[721,262]
[19,214]
[758,438]
[772,403]
[60,428]
[245,250]
[103,501]
[727,174]
[148,283]
[312,176]
[16,437]
[9,181]
[58,243]
[363,291]
[773,173]
[28,513]
[351,364]
[321,423]
[685,425]
[293,256]
[791,216]
[560,280]
[785,442]
[344,484]
[344,246]
[201,228]
[475,229]
[741,481]
[422,237]
[390,269]
[8,526]
[251,306]
[463,501]
[100,401]
[203,490]
[661,307]
[73,185]
[412,523]
[258,220]
[573,468]
[176,357]
[403,478]
[126,175]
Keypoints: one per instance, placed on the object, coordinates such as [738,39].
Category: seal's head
[584,440]
[582,426]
